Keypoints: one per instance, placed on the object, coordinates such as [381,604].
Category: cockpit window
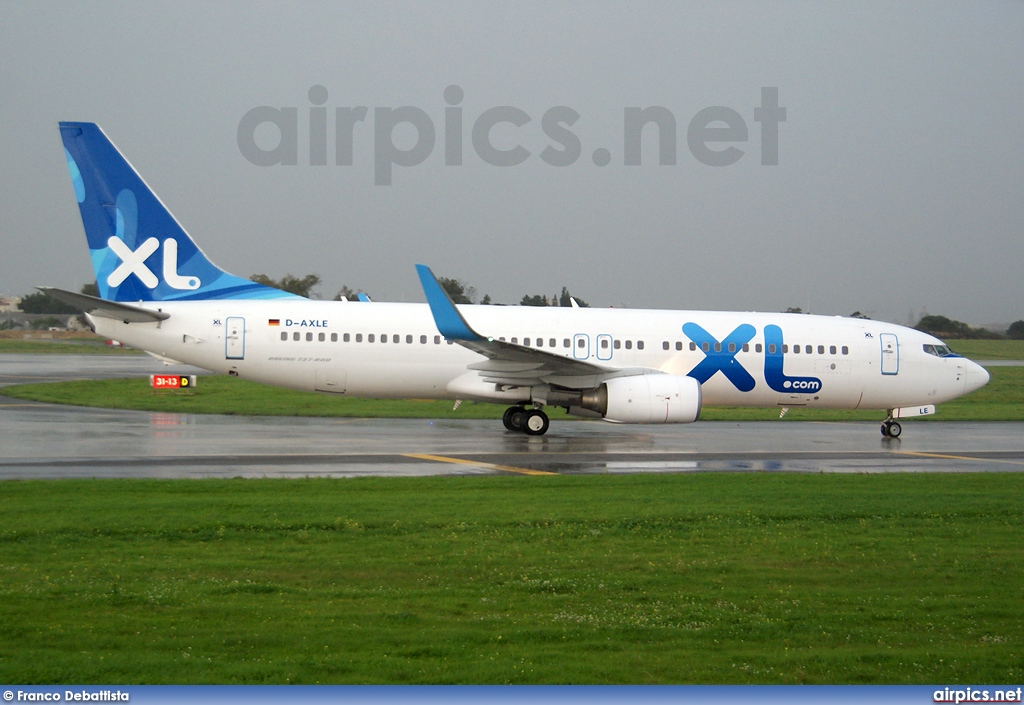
[939,351]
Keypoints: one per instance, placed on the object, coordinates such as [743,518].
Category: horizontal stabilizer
[106,309]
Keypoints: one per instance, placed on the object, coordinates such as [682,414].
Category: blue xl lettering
[717,357]
[773,373]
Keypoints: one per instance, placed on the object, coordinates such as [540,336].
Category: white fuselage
[340,347]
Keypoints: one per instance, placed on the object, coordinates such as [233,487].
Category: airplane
[160,293]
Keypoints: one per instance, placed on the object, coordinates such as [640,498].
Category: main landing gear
[532,422]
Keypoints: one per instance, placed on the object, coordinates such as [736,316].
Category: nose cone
[975,377]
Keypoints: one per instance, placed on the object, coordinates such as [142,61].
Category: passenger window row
[370,338]
[772,348]
[395,339]
[581,342]
[551,343]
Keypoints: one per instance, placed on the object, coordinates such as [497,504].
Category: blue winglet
[447,318]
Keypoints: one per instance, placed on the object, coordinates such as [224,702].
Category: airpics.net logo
[715,136]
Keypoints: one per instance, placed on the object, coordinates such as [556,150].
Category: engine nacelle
[646,399]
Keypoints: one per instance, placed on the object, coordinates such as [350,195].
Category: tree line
[459,291]
[947,329]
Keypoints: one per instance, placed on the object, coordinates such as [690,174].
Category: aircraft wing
[107,309]
[508,363]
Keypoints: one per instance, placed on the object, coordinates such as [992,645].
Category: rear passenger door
[234,338]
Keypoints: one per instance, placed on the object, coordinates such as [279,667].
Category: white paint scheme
[198,333]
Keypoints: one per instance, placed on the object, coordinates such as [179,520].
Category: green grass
[229,395]
[989,349]
[72,346]
[1001,400]
[706,578]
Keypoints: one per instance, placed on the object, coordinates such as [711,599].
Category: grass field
[59,342]
[1001,400]
[989,349]
[705,578]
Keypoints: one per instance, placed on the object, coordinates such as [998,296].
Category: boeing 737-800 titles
[160,293]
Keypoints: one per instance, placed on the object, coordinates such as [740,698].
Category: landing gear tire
[535,423]
[513,418]
[891,429]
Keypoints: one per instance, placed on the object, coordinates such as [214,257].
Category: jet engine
[653,398]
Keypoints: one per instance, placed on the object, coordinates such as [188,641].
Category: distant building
[9,304]
[15,320]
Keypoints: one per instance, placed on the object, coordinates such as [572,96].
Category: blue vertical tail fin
[139,251]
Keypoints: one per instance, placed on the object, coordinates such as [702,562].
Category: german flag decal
[274,322]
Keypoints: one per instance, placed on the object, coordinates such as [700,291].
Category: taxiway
[49,441]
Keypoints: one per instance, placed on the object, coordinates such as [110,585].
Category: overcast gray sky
[898,187]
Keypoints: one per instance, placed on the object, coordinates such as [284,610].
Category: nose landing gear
[532,422]
[891,429]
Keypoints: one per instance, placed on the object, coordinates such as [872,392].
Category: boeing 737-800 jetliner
[160,293]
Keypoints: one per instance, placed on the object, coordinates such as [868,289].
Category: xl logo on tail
[134,261]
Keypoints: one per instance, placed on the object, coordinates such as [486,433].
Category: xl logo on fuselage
[773,373]
[720,356]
